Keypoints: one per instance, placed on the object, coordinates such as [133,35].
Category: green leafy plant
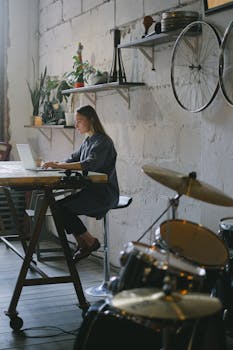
[84,71]
[53,112]
[37,92]
[62,85]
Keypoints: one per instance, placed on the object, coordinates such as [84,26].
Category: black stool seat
[124,201]
[102,290]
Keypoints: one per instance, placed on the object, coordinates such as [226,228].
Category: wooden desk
[14,176]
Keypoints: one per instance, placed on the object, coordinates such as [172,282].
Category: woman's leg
[85,202]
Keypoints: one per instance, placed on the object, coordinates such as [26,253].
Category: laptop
[27,159]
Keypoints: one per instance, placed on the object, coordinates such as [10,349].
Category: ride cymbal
[154,303]
[188,185]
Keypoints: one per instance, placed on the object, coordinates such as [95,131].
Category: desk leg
[16,322]
[83,304]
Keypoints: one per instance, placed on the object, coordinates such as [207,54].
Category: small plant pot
[38,120]
[79,84]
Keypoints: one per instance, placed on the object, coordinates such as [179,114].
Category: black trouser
[89,201]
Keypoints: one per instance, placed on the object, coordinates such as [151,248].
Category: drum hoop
[153,262]
[226,218]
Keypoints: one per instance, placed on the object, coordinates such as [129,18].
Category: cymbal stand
[167,332]
[173,203]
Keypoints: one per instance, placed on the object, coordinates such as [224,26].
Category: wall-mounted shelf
[47,131]
[150,42]
[121,88]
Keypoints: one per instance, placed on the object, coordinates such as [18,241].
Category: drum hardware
[173,203]
[226,231]
[73,176]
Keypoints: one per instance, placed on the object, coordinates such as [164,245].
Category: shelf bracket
[148,56]
[91,97]
[68,137]
[124,93]
[48,137]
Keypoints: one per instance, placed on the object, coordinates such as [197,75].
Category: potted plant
[84,72]
[37,96]
[76,77]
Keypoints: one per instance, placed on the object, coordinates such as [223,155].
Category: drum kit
[174,278]
[165,294]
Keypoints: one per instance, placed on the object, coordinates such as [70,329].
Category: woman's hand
[53,165]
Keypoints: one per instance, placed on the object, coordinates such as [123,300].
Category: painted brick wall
[154,130]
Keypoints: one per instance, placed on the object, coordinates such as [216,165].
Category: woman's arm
[62,165]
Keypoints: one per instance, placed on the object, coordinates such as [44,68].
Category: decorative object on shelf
[117,72]
[195,66]
[225,64]
[84,72]
[176,20]
[69,118]
[96,77]
[37,92]
[147,22]
[157,30]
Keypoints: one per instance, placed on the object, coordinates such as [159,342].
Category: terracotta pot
[79,84]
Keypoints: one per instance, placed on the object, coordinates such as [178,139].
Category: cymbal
[154,303]
[188,185]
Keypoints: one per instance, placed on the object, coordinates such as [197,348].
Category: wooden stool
[102,290]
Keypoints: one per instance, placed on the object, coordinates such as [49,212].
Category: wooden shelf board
[102,87]
[151,40]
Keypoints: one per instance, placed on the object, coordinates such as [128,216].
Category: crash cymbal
[188,185]
[154,303]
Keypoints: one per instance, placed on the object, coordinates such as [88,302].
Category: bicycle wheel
[226,64]
[195,66]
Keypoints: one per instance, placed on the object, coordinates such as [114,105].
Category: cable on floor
[22,333]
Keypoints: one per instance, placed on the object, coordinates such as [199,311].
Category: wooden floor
[50,313]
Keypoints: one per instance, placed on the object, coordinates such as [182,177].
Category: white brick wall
[51,16]
[128,10]
[152,6]
[71,8]
[153,130]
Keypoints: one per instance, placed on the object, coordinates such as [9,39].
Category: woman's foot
[86,250]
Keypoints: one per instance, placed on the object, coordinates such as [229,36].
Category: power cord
[22,333]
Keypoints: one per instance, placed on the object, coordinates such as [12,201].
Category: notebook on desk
[27,159]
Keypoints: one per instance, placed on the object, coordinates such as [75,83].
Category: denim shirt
[97,153]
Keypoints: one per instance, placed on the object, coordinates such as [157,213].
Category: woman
[97,153]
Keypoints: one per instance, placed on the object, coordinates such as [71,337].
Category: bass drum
[104,327]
